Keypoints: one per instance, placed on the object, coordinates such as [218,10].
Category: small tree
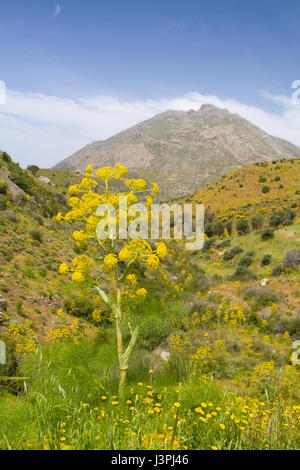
[242,227]
[257,221]
[107,264]
[33,168]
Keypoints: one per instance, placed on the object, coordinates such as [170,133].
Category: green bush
[282,217]
[36,235]
[266,189]
[229,227]
[230,254]
[80,306]
[277,270]
[246,260]
[3,187]
[242,273]
[267,234]
[262,179]
[6,157]
[266,261]
[257,221]
[242,227]
[218,229]
[261,296]
[3,202]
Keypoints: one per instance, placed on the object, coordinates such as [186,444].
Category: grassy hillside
[252,187]
[31,246]
[212,368]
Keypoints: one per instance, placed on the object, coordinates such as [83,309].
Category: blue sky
[92,59]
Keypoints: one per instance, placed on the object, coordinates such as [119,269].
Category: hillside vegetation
[212,368]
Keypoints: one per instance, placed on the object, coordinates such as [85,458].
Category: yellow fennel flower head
[59,218]
[131,278]
[79,237]
[161,250]
[139,185]
[63,269]
[122,171]
[89,171]
[92,223]
[73,190]
[136,184]
[149,202]
[106,173]
[73,202]
[110,261]
[77,276]
[131,198]
[141,293]
[177,405]
[125,254]
[155,189]
[152,262]
[97,315]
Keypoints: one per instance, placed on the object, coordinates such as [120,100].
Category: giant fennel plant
[107,264]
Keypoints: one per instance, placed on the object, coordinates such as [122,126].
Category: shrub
[12,217]
[292,259]
[282,217]
[267,234]
[277,270]
[208,244]
[230,254]
[246,260]
[266,261]
[242,273]
[266,189]
[80,306]
[6,157]
[209,230]
[262,179]
[33,169]
[257,221]
[242,226]
[36,235]
[261,296]
[223,244]
[3,202]
[21,178]
[3,187]
[218,229]
[229,227]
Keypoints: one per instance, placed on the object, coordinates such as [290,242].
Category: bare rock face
[184,150]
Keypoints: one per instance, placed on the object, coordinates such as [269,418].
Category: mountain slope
[184,150]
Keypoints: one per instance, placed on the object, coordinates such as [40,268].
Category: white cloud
[57,10]
[40,129]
